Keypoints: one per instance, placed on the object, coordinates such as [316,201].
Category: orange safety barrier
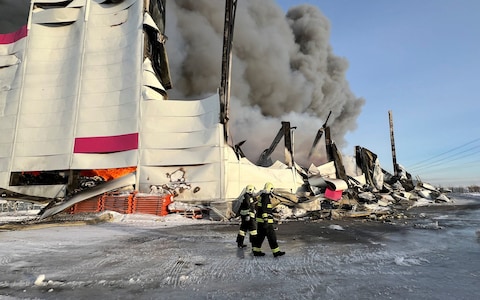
[118,203]
[89,205]
[152,204]
[125,204]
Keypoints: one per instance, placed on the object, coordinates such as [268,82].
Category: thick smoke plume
[284,69]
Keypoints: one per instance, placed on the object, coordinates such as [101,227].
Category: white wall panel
[175,140]
[150,94]
[104,128]
[183,108]
[41,134]
[8,60]
[109,20]
[51,105]
[47,120]
[51,147]
[46,191]
[196,173]
[105,161]
[5,142]
[41,163]
[17,47]
[178,124]
[7,123]
[191,156]
[48,93]
[55,15]
[4,164]
[116,98]
[8,82]
[111,77]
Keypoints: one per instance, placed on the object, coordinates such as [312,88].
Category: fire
[109,174]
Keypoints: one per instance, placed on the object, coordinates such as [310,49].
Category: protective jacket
[247,208]
[248,224]
[264,209]
[264,217]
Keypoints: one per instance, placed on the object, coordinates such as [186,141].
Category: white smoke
[283,69]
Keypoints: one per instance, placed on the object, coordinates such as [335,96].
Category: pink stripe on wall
[106,144]
[12,37]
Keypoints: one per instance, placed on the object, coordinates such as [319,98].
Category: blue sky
[421,60]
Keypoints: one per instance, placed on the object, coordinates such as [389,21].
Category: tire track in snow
[174,276]
[5,260]
[311,273]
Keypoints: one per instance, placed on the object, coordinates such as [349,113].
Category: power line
[451,157]
[462,181]
[452,168]
[423,162]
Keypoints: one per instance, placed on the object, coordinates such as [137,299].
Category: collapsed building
[86,124]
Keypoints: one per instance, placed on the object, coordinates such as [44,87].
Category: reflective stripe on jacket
[247,207]
[265,209]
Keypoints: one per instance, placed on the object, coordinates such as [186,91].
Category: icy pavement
[145,257]
[132,259]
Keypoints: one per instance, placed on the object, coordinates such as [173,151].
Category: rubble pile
[329,192]
[374,194]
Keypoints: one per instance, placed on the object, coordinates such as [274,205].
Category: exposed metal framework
[230,10]
[392,141]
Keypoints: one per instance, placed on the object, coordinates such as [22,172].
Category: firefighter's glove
[247,218]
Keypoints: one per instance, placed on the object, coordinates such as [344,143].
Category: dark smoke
[284,69]
[13,14]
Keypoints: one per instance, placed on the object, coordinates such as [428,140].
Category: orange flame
[109,174]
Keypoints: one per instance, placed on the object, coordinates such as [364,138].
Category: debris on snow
[375,194]
[336,227]
[40,280]
[431,225]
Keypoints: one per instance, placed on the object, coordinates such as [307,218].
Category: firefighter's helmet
[249,189]
[268,187]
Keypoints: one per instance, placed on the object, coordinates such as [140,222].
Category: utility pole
[392,141]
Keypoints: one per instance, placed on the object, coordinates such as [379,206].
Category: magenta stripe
[12,37]
[106,144]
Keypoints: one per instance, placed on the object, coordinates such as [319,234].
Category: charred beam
[392,141]
[319,135]
[328,144]
[339,166]
[230,10]
[287,131]
[264,159]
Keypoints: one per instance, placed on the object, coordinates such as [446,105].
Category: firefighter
[247,214]
[264,218]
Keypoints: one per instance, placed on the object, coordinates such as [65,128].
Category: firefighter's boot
[240,239]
